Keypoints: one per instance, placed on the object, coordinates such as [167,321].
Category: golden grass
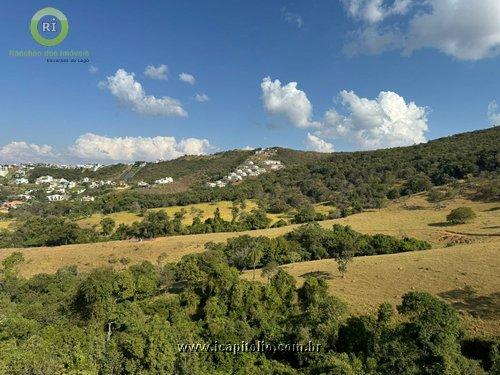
[469,270]
[207,208]
[394,220]
[5,224]
[465,275]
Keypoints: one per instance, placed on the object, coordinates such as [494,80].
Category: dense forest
[200,317]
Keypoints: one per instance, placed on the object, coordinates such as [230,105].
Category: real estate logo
[49,27]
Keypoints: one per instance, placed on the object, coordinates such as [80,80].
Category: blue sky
[342,54]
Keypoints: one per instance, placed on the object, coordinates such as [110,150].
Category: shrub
[461,215]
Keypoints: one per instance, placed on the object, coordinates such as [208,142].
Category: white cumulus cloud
[386,121]
[101,148]
[464,29]
[315,143]
[201,98]
[493,113]
[288,101]
[23,152]
[373,11]
[188,78]
[157,72]
[129,91]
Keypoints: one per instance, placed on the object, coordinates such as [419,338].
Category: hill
[466,276]
[399,218]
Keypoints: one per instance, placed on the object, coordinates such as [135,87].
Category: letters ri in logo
[49,27]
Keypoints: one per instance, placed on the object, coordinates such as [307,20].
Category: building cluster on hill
[258,164]
[48,187]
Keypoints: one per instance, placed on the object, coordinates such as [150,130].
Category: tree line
[57,230]
[310,242]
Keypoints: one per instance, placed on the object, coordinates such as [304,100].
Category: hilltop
[285,185]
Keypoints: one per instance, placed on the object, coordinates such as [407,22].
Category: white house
[88,198]
[272,162]
[142,184]
[56,197]
[44,180]
[21,181]
[164,180]
[3,171]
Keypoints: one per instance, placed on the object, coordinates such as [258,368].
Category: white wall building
[272,162]
[164,180]
[44,180]
[56,197]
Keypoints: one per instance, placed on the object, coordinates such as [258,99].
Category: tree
[305,215]
[235,210]
[461,215]
[10,265]
[269,270]
[254,255]
[107,226]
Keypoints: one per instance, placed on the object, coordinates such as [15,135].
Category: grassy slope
[207,208]
[464,275]
[394,219]
[4,224]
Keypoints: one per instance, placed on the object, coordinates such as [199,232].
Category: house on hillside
[57,197]
[44,180]
[164,180]
[21,181]
[4,171]
[272,162]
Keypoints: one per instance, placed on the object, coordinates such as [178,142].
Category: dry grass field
[399,219]
[466,276]
[206,209]
[462,267]
[5,224]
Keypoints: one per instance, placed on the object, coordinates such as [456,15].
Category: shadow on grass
[323,275]
[442,224]
[467,299]
[492,209]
